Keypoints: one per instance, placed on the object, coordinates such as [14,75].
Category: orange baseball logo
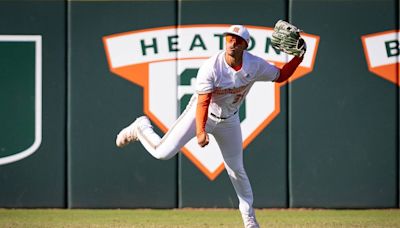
[164,61]
[236,29]
[382,54]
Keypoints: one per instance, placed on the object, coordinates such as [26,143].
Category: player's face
[235,44]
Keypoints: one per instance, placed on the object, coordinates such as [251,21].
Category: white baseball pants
[228,135]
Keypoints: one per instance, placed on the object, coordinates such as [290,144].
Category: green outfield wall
[33,104]
[74,73]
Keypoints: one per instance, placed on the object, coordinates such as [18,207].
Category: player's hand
[202,139]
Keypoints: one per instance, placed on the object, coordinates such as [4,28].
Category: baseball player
[223,82]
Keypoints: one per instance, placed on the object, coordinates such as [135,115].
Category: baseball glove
[286,37]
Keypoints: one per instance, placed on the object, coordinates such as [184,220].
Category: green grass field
[196,218]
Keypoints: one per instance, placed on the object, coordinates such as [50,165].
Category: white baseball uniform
[229,88]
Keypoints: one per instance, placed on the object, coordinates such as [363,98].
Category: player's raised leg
[166,147]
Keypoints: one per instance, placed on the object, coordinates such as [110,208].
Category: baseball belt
[222,118]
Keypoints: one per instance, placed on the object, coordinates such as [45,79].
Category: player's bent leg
[168,146]
[178,135]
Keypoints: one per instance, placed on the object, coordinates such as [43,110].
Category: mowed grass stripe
[196,218]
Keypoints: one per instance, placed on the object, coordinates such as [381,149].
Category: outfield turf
[196,218]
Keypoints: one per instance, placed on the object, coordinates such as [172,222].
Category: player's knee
[164,156]
[236,172]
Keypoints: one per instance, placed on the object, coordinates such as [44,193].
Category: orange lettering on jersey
[220,91]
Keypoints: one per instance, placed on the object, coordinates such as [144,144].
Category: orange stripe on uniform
[202,112]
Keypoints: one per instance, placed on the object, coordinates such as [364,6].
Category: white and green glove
[286,37]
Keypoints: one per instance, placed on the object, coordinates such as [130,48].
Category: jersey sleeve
[205,79]
[267,71]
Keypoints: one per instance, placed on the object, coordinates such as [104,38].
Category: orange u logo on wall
[382,52]
[164,62]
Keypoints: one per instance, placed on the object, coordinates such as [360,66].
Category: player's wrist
[200,133]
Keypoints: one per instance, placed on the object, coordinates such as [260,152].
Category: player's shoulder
[252,58]
[209,66]
[213,60]
[217,56]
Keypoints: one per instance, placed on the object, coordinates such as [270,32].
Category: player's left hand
[286,37]
[202,139]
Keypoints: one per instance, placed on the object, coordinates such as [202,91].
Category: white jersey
[228,86]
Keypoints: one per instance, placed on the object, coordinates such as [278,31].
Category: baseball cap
[239,30]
